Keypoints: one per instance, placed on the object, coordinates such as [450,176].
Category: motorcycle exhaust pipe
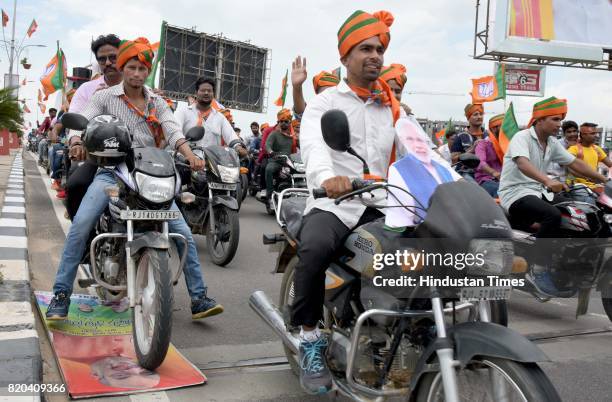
[262,305]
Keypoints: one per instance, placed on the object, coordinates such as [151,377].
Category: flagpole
[12,57]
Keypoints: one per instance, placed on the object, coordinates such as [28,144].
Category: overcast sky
[433,39]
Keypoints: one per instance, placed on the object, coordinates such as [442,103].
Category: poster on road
[95,351]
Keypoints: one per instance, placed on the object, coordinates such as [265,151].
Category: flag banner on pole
[33,27]
[40,96]
[508,128]
[5,18]
[491,87]
[26,109]
[42,107]
[281,99]
[440,137]
[55,74]
[24,81]
[160,50]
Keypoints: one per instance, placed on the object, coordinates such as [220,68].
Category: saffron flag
[491,87]
[55,74]
[33,27]
[5,18]
[40,96]
[281,99]
[26,109]
[440,136]
[532,19]
[508,128]
[42,107]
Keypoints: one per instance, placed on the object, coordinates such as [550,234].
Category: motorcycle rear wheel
[222,252]
[152,315]
[527,380]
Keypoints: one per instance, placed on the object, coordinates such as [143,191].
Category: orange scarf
[496,147]
[152,122]
[203,116]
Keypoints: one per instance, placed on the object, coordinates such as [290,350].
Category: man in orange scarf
[490,154]
[395,76]
[150,123]
[527,193]
[372,111]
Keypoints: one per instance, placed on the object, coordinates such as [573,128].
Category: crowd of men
[370,95]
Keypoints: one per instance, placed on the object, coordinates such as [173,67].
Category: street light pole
[12,57]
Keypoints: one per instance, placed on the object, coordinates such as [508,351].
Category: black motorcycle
[291,175]
[131,251]
[408,341]
[580,252]
[214,213]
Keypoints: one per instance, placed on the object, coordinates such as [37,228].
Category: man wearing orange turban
[524,185]
[395,76]
[150,123]
[372,110]
[466,141]
[323,81]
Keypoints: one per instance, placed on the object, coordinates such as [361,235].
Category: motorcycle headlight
[608,218]
[300,167]
[228,174]
[155,189]
[492,256]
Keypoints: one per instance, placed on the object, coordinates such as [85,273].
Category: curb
[20,357]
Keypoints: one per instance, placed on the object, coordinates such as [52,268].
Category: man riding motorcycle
[524,183]
[127,101]
[371,109]
[280,142]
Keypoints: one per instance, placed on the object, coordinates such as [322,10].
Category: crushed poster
[95,351]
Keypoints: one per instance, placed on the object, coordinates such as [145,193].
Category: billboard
[571,33]
[241,70]
[524,79]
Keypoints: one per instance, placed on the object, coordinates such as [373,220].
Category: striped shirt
[108,101]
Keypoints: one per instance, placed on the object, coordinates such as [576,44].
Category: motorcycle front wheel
[492,379]
[152,315]
[222,243]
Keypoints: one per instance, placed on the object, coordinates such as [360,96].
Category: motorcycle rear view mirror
[74,121]
[470,161]
[337,135]
[194,134]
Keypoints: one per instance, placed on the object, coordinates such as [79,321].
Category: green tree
[11,116]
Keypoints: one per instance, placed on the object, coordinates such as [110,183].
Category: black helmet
[107,137]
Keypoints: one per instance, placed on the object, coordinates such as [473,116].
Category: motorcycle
[254,174]
[384,344]
[214,213]
[245,175]
[581,252]
[291,175]
[131,251]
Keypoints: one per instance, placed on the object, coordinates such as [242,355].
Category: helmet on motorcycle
[107,139]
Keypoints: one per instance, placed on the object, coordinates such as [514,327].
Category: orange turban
[263,126]
[496,121]
[324,79]
[228,115]
[295,123]
[548,107]
[395,72]
[139,47]
[284,114]
[470,109]
[361,26]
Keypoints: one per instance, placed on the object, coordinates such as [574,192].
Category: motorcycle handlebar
[358,184]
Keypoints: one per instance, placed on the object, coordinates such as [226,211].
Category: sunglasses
[285,121]
[102,59]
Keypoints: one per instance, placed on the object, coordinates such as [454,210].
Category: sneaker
[58,307]
[55,185]
[205,307]
[262,194]
[61,194]
[543,283]
[315,377]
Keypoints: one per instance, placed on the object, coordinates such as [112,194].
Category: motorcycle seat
[291,214]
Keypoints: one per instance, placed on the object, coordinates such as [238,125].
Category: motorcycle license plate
[298,176]
[485,293]
[145,215]
[223,186]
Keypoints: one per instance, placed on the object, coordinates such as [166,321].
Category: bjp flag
[55,74]
[489,88]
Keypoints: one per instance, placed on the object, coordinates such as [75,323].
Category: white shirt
[372,137]
[215,126]
[445,152]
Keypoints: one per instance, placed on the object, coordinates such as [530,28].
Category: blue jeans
[93,205]
[491,187]
[54,160]
[42,147]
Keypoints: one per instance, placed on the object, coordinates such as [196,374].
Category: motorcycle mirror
[335,128]
[74,121]
[608,189]
[469,160]
[195,134]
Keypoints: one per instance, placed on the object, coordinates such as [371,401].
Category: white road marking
[13,210]
[14,241]
[14,223]
[14,199]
